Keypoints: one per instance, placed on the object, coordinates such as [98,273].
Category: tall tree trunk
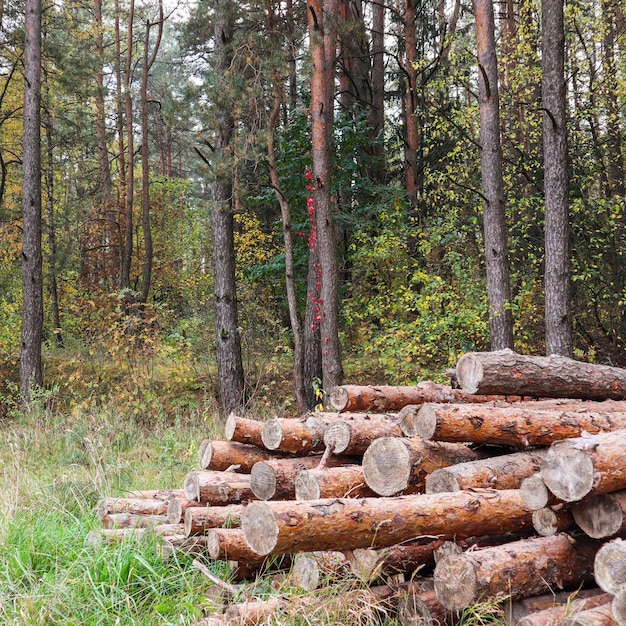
[411,123]
[323,48]
[494,214]
[31,370]
[558,318]
[376,113]
[228,344]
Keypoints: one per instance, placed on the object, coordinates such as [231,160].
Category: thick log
[228,544]
[297,435]
[535,494]
[552,520]
[132,520]
[334,524]
[585,466]
[218,488]
[276,479]
[501,472]
[389,398]
[515,570]
[393,465]
[550,376]
[332,482]
[597,616]
[610,566]
[355,436]
[619,607]
[509,425]
[243,430]
[138,506]
[230,455]
[602,516]
[573,607]
[200,519]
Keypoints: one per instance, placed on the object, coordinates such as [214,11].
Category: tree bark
[215,454]
[602,516]
[515,570]
[376,112]
[31,368]
[501,472]
[228,544]
[494,205]
[552,376]
[574,608]
[285,527]
[294,435]
[585,466]
[244,430]
[509,425]
[218,488]
[392,465]
[346,481]
[199,519]
[558,315]
[610,566]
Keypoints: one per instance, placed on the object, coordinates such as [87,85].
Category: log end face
[230,427]
[469,372]
[610,567]
[174,511]
[213,544]
[456,584]
[337,436]
[567,472]
[272,434]
[263,481]
[545,522]
[407,417]
[260,527]
[599,516]
[425,422]
[442,481]
[191,486]
[205,452]
[307,487]
[387,466]
[534,493]
[338,398]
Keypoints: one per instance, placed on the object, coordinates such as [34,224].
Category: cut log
[572,608]
[334,524]
[355,436]
[551,376]
[218,488]
[610,566]
[597,616]
[602,516]
[535,494]
[199,519]
[176,509]
[619,607]
[138,506]
[243,430]
[132,520]
[552,520]
[393,465]
[157,494]
[117,535]
[585,466]
[276,479]
[308,569]
[332,482]
[295,435]
[228,544]
[515,570]
[230,455]
[170,545]
[509,425]
[507,471]
[388,398]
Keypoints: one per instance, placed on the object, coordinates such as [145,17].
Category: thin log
[552,520]
[309,568]
[507,471]
[598,616]
[138,506]
[394,398]
[228,544]
[170,545]
[243,430]
[393,465]
[333,482]
[296,435]
[176,509]
[535,494]
[132,520]
[117,535]
[585,466]
[610,566]
[275,479]
[515,570]
[509,425]
[355,436]
[218,488]
[200,519]
[157,494]
[573,607]
[230,455]
[333,524]
[602,516]
[550,376]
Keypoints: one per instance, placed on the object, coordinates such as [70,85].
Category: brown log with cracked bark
[218,488]
[553,376]
[294,435]
[598,616]
[200,519]
[535,494]
[507,471]
[276,479]
[137,506]
[610,566]
[393,465]
[355,436]
[585,466]
[346,481]
[559,614]
[510,425]
[243,430]
[333,524]
[603,515]
[393,398]
[527,567]
[228,544]
[230,455]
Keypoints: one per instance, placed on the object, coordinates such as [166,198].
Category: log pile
[508,489]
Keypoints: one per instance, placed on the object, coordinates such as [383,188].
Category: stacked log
[520,469]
